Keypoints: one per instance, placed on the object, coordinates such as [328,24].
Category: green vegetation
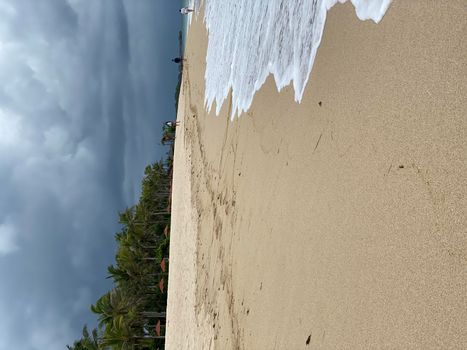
[132,314]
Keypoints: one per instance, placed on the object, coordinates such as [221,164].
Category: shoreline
[337,220]
[183,245]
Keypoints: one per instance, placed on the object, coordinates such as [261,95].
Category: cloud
[42,336]
[7,239]
[85,87]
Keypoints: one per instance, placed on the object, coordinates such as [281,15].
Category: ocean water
[250,39]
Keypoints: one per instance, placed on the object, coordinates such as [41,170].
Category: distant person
[185,10]
[178,60]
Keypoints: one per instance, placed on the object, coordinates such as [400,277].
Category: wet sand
[341,221]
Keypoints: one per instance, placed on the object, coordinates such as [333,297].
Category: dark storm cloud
[85,87]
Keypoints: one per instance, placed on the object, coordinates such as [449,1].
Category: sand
[341,221]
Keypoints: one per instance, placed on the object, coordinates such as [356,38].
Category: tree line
[132,314]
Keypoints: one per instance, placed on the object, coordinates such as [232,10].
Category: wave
[250,39]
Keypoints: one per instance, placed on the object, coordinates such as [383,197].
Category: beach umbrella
[158,327]
[161,285]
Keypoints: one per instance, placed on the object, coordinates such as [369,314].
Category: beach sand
[340,221]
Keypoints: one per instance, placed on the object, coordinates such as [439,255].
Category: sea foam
[250,39]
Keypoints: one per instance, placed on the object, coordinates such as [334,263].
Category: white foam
[250,39]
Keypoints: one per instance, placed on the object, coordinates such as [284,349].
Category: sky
[85,87]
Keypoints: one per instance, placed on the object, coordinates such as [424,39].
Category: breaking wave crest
[250,39]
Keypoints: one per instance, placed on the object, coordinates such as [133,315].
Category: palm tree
[87,342]
[112,305]
[168,134]
[126,333]
[128,312]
